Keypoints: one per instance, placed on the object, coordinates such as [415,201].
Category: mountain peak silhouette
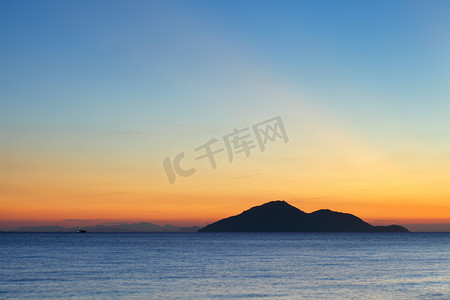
[280,216]
[275,206]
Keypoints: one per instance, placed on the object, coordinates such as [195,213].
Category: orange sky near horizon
[376,191]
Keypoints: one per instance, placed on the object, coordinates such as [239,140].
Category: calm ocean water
[222,265]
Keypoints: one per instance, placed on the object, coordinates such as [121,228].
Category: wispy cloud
[128,132]
[246,176]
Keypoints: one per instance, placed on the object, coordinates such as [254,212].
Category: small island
[279,216]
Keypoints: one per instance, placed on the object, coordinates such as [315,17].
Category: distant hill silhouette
[279,216]
[125,227]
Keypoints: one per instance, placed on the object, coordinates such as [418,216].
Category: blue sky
[106,55]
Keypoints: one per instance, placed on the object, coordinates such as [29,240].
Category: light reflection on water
[222,265]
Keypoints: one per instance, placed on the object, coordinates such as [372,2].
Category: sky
[96,95]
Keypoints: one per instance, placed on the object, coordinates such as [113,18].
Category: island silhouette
[280,216]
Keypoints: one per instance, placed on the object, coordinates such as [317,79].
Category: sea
[224,265]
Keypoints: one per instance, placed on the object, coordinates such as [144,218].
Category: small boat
[79,230]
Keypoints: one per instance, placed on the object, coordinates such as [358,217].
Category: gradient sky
[95,94]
